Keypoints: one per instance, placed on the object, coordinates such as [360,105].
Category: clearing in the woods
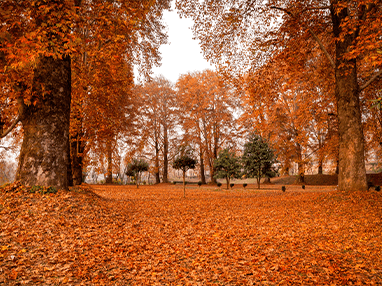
[121,235]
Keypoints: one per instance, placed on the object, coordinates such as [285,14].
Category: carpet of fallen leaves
[120,235]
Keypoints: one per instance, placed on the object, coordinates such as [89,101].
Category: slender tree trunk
[157,175]
[109,176]
[352,171]
[76,152]
[227,180]
[258,178]
[70,173]
[301,165]
[184,183]
[44,156]
[215,153]
[202,173]
[165,154]
[201,156]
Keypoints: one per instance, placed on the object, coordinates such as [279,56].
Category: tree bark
[44,156]
[352,171]
[109,176]
[165,154]
[184,183]
[202,173]
[320,167]
[76,152]
[157,175]
[70,173]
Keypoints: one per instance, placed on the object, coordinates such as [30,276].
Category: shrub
[303,187]
[35,189]
[231,185]
[199,183]
[244,185]
[377,188]
[174,183]
[219,184]
[283,188]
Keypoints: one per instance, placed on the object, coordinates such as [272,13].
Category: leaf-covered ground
[153,236]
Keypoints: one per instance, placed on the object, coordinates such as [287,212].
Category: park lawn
[121,235]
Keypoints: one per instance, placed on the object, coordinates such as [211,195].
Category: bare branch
[6,148]
[373,78]
[323,48]
[284,10]
[18,119]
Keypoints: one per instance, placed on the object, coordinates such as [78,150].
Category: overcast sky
[183,54]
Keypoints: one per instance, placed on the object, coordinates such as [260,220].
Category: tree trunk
[227,180]
[165,154]
[76,152]
[320,167]
[352,171]
[109,175]
[184,183]
[201,157]
[157,175]
[70,173]
[202,173]
[44,156]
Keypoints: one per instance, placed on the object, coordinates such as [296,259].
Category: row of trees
[66,75]
[257,161]
[302,55]
[303,72]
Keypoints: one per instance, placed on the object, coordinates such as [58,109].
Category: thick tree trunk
[165,154]
[109,175]
[44,156]
[352,171]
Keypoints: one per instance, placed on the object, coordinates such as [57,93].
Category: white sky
[183,54]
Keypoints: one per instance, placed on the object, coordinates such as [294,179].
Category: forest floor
[121,235]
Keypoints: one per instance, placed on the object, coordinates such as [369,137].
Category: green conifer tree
[258,159]
[227,166]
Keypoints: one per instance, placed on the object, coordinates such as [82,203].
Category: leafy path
[152,236]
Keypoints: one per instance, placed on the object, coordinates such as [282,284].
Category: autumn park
[265,170]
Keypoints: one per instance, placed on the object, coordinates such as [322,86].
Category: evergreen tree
[184,161]
[227,166]
[135,168]
[258,159]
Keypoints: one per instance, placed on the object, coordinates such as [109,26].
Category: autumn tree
[184,161]
[207,114]
[258,159]
[227,166]
[135,169]
[246,34]
[158,118]
[38,40]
